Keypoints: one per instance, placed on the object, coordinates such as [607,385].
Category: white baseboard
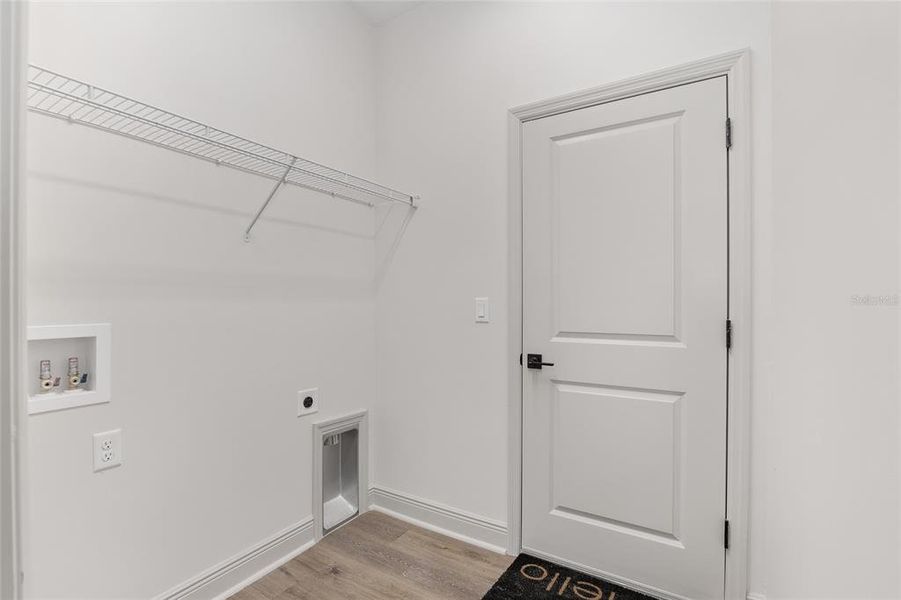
[474,529]
[230,576]
[238,572]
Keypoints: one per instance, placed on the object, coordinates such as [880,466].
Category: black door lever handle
[533,361]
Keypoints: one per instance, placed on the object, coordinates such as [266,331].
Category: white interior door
[625,290]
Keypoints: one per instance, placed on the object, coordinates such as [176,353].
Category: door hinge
[728,334]
[728,133]
[726,535]
[520,359]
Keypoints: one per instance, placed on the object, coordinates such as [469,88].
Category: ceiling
[378,12]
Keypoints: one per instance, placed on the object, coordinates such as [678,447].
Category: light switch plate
[107,450]
[483,311]
[304,397]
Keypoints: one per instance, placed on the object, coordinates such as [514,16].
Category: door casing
[13,50]
[735,66]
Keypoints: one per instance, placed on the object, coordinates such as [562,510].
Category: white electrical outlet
[107,449]
[307,402]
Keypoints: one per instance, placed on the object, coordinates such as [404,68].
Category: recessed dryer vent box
[341,482]
[89,344]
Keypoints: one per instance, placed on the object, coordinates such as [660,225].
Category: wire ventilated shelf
[66,98]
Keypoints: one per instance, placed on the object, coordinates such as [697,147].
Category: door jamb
[735,67]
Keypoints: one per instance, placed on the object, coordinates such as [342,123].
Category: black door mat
[530,578]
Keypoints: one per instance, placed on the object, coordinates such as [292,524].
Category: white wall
[211,337]
[832,433]
[824,495]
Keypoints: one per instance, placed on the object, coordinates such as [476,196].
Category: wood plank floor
[377,557]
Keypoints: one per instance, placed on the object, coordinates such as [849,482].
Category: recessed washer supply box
[89,343]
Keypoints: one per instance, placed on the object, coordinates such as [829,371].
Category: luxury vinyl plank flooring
[377,557]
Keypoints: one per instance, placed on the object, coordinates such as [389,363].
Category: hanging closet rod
[75,101]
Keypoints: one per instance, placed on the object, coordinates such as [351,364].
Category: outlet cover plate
[107,450]
[302,395]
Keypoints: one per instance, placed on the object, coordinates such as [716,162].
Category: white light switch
[482,311]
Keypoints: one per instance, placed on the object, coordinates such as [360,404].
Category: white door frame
[13,49]
[735,67]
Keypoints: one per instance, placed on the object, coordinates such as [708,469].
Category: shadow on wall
[191,204]
[162,244]
[88,236]
[391,224]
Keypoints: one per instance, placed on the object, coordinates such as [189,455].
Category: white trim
[514,335]
[474,529]
[13,50]
[238,572]
[733,65]
[705,68]
[738,457]
[360,421]
[100,392]
[755,596]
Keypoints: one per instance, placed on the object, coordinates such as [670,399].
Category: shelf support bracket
[275,189]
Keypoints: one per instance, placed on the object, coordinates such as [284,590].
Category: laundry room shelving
[75,101]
